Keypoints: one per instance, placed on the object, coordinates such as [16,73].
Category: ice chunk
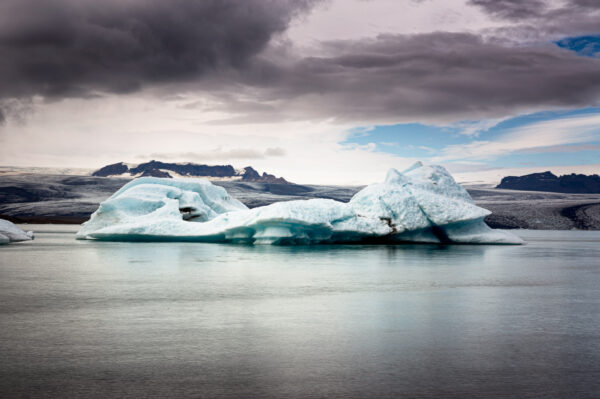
[147,202]
[421,204]
[11,233]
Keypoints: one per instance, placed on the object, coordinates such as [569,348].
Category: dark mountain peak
[547,181]
[112,170]
[545,175]
[250,174]
[267,178]
[155,173]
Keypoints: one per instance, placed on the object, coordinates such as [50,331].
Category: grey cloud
[541,20]
[217,154]
[15,109]
[537,19]
[66,48]
[512,9]
[585,3]
[538,9]
[274,152]
[431,77]
[224,49]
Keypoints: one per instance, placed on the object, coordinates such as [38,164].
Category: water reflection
[214,320]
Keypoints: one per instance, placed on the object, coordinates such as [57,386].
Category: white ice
[11,233]
[421,204]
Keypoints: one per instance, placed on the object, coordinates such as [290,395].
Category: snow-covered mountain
[169,170]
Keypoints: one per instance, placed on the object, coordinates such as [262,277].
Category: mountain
[547,181]
[155,173]
[252,175]
[115,169]
[162,169]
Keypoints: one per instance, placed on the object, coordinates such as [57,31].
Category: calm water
[94,319]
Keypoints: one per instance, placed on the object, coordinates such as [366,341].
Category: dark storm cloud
[223,49]
[438,76]
[520,10]
[512,9]
[545,17]
[66,48]
[539,20]
[595,4]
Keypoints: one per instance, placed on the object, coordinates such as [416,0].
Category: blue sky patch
[416,140]
[409,139]
[588,153]
[588,46]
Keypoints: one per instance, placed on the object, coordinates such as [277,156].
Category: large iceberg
[422,204]
[11,233]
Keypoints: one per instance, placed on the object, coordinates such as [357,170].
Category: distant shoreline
[44,219]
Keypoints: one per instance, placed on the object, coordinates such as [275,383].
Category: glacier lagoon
[421,204]
[85,318]
[103,316]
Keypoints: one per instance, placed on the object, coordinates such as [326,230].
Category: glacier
[422,204]
[11,233]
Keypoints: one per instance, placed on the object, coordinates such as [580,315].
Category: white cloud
[474,128]
[217,153]
[120,128]
[571,130]
[95,132]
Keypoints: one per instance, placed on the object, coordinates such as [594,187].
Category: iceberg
[11,233]
[421,204]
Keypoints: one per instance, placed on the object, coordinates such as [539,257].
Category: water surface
[102,319]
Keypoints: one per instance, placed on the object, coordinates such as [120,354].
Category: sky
[317,91]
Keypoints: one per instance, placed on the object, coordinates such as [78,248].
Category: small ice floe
[11,233]
[421,204]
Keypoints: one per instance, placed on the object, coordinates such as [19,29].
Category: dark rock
[188,169]
[584,217]
[19,194]
[547,181]
[156,173]
[505,222]
[267,178]
[250,174]
[112,170]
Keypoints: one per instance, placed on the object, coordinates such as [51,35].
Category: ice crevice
[420,204]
